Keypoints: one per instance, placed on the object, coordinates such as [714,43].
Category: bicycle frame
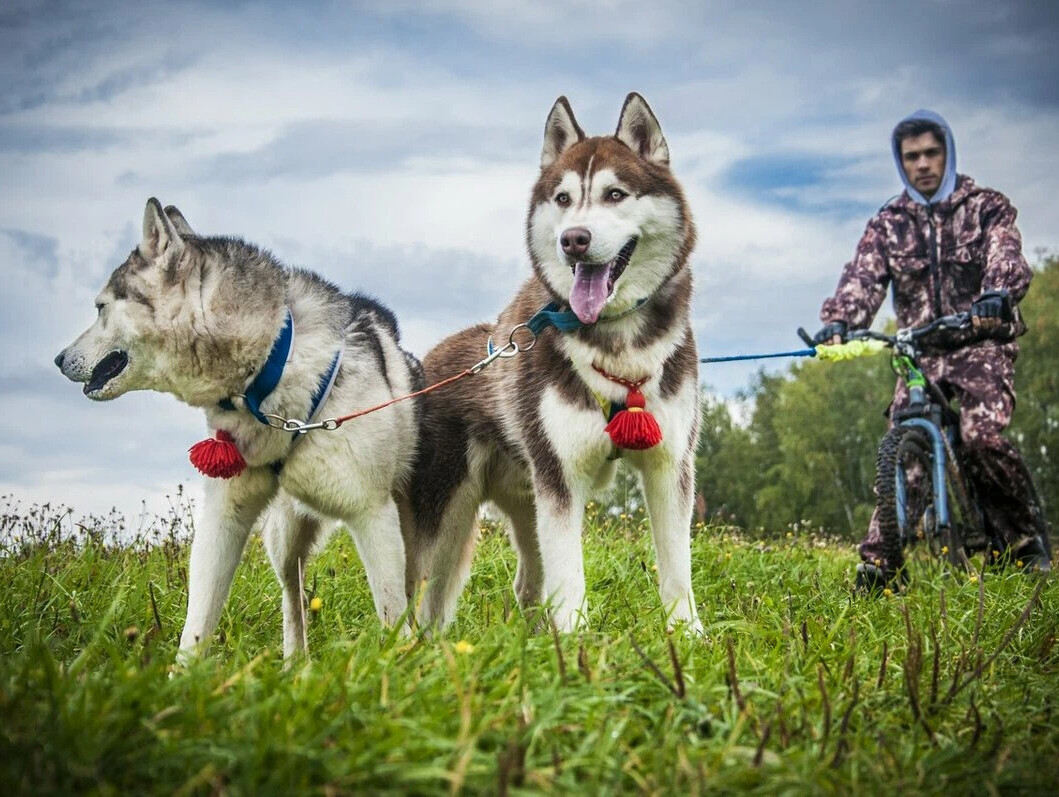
[904,365]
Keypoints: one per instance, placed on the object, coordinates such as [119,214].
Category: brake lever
[805,336]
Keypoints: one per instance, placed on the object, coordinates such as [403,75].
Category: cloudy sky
[392,146]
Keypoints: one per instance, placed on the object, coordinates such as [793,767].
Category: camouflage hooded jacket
[938,259]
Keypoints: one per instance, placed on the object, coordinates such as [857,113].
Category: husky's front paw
[683,617]
[185,657]
[691,628]
[567,621]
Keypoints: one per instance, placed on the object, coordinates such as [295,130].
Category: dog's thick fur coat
[196,317]
[528,433]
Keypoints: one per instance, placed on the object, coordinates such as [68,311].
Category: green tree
[827,423]
[724,465]
[1035,425]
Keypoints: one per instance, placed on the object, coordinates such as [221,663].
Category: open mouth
[105,370]
[594,283]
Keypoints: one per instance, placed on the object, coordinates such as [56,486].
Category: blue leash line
[552,315]
[798,353]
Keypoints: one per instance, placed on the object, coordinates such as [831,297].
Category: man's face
[923,158]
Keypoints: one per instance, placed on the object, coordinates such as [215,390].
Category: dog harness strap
[327,381]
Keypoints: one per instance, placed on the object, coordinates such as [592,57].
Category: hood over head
[948,179]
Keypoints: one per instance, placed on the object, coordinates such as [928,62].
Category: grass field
[950,687]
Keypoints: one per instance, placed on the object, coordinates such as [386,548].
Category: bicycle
[921,491]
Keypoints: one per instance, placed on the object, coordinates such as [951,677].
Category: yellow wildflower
[463,646]
[316,604]
[887,592]
[1019,563]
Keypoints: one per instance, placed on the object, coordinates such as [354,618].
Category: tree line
[806,454]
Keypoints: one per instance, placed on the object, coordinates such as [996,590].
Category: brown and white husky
[609,235]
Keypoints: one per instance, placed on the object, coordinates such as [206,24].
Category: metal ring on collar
[511,339]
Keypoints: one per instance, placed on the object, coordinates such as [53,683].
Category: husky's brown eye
[99,307]
[562,199]
[616,195]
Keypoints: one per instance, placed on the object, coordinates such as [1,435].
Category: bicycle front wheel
[906,499]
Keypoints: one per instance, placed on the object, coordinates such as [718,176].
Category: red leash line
[342,419]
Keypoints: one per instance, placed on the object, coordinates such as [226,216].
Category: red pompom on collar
[218,457]
[633,427]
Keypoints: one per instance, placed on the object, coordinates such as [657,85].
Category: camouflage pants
[981,378]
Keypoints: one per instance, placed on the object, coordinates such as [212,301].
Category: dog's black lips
[105,370]
[622,260]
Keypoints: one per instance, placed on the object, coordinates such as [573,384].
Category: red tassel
[634,427]
[217,457]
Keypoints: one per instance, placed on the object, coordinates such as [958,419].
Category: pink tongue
[590,291]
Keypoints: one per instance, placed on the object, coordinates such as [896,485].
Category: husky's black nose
[59,358]
[575,241]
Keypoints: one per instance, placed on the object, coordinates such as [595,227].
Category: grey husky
[609,236]
[203,318]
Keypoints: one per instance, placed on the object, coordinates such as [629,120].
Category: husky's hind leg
[376,533]
[523,533]
[416,550]
[289,535]
[450,565]
[228,512]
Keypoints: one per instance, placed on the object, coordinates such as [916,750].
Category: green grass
[794,688]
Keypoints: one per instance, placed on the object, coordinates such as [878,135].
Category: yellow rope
[849,351]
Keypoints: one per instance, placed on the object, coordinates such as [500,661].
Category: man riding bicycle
[947,245]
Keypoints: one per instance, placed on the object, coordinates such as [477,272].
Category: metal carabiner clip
[299,427]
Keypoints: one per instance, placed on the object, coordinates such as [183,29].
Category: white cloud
[246,125]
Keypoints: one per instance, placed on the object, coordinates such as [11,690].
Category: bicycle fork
[941,497]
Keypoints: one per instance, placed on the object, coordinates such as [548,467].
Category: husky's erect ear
[561,132]
[179,222]
[638,127]
[159,235]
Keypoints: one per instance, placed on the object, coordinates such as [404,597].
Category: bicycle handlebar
[953,321]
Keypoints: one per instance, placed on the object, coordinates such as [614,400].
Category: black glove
[829,331]
[993,304]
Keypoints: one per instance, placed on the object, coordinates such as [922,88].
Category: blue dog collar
[272,371]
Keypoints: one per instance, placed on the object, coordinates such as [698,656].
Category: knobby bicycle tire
[907,444]
[910,445]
